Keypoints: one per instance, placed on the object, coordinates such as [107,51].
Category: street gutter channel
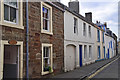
[86,76]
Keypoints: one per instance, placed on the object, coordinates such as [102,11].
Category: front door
[80,55]
[11,61]
[70,57]
[108,54]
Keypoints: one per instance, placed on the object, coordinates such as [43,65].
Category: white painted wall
[107,40]
[78,39]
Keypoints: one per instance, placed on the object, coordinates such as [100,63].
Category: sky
[102,10]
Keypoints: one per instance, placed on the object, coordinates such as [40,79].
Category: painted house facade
[79,39]
[110,44]
[100,43]
[108,41]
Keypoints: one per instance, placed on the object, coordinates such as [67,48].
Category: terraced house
[109,42]
[84,41]
[11,40]
[45,35]
[42,39]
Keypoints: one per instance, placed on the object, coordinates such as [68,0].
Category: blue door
[80,55]
[104,52]
[108,54]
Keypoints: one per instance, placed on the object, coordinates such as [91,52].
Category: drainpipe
[27,42]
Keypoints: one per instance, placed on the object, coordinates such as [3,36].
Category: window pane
[47,51]
[6,13]
[13,15]
[46,13]
[44,52]
[45,24]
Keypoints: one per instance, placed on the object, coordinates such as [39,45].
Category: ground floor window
[99,52]
[85,51]
[46,58]
[90,51]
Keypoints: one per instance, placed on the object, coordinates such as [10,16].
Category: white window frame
[50,27]
[51,57]
[75,26]
[84,29]
[17,9]
[89,31]
[19,16]
[90,51]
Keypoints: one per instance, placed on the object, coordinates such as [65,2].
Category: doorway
[11,61]
[80,55]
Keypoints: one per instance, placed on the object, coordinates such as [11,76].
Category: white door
[70,57]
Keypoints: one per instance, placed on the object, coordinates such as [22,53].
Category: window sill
[11,25]
[45,32]
[47,72]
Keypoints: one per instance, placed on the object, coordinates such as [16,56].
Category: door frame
[19,43]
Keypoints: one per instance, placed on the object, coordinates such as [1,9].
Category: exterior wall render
[112,51]
[78,39]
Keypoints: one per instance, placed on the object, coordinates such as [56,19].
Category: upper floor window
[98,35]
[46,18]
[84,29]
[111,44]
[75,25]
[89,31]
[11,11]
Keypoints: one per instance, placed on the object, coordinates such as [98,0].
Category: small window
[84,29]
[85,51]
[46,58]
[89,31]
[90,52]
[75,25]
[46,18]
[98,35]
[99,52]
[10,11]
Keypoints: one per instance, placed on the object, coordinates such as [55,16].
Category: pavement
[85,71]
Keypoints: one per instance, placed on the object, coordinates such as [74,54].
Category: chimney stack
[74,5]
[105,24]
[88,16]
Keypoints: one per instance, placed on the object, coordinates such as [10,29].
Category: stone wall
[36,38]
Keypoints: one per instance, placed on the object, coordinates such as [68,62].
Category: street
[111,71]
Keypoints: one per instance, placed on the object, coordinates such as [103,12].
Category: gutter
[27,42]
